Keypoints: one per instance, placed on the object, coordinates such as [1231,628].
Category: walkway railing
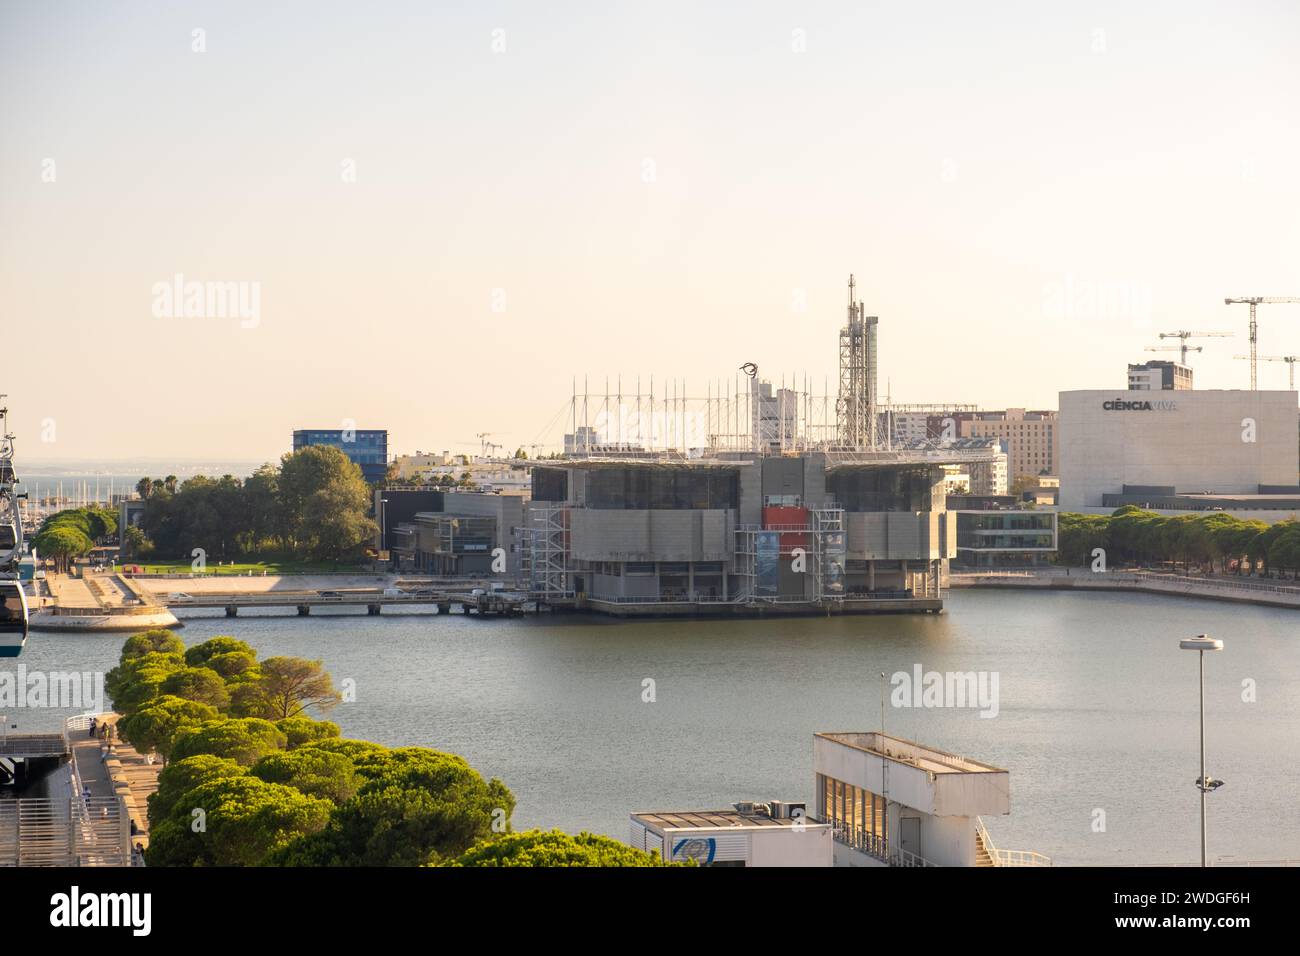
[1008,857]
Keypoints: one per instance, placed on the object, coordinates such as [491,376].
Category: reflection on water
[1097,709]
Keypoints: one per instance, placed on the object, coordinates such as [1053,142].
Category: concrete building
[415,467]
[581,441]
[1033,441]
[997,531]
[1159,377]
[748,835]
[366,448]
[893,802]
[467,535]
[1189,448]
[813,533]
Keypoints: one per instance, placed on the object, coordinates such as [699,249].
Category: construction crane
[1252,301]
[1184,348]
[1181,349]
[1289,359]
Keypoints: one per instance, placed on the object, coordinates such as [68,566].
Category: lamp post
[1202,643]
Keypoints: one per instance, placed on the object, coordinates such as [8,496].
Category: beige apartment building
[1032,438]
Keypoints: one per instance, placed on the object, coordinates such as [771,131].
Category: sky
[439,214]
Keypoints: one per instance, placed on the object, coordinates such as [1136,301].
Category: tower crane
[1289,359]
[1252,301]
[1181,349]
[1184,335]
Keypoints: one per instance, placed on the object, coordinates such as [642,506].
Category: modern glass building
[367,449]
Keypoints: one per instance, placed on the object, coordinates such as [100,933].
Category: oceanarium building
[1180,450]
[805,533]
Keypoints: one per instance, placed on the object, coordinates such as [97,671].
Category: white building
[893,802]
[775,834]
[1118,446]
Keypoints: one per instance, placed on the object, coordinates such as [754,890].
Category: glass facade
[880,489]
[367,449]
[859,818]
[662,487]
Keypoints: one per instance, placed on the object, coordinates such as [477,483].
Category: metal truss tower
[856,405]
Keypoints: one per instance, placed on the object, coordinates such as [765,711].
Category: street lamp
[1202,643]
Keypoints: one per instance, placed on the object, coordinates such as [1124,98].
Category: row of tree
[314,504]
[67,535]
[250,779]
[1205,540]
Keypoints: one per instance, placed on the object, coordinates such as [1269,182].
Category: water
[1098,709]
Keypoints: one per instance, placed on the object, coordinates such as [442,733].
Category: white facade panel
[1227,442]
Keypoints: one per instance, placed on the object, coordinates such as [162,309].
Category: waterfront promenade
[116,771]
[1214,588]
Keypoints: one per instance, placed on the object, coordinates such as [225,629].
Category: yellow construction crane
[1289,359]
[1183,347]
[1252,301]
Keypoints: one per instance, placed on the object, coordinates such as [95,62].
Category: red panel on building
[781,517]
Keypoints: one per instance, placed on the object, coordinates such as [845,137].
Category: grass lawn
[243,568]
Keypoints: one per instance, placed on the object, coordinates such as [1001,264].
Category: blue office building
[368,449]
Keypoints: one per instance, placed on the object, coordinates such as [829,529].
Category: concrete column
[871,574]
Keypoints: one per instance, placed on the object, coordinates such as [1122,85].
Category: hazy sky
[644,187]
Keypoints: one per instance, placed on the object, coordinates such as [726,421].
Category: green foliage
[556,848]
[1201,539]
[159,639]
[317,773]
[153,727]
[417,806]
[200,654]
[244,740]
[200,684]
[301,731]
[245,819]
[289,685]
[313,505]
[179,778]
[138,680]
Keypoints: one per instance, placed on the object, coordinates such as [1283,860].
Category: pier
[485,604]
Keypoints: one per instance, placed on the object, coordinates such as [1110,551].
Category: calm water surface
[1098,709]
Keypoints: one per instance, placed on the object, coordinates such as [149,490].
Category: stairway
[982,855]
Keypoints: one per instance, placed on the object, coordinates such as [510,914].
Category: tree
[182,776]
[417,806]
[301,731]
[134,543]
[62,543]
[245,740]
[556,848]
[157,640]
[201,684]
[154,726]
[289,685]
[144,487]
[245,819]
[315,772]
[200,654]
[137,680]
[325,499]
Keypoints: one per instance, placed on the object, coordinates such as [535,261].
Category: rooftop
[714,820]
[909,752]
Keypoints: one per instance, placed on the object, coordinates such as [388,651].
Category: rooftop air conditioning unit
[745,806]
